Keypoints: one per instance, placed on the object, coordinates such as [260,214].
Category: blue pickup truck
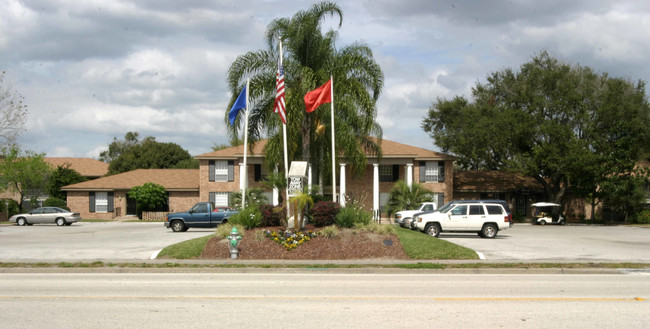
[202,214]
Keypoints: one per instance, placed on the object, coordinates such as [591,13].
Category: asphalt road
[88,241]
[322,300]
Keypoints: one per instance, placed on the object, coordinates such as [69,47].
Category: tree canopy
[24,172]
[132,153]
[62,176]
[310,58]
[564,125]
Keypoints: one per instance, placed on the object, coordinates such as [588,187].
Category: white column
[242,176]
[276,192]
[309,178]
[375,190]
[409,174]
[342,185]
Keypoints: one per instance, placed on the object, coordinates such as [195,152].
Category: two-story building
[220,175]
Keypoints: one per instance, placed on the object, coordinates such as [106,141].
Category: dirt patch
[350,244]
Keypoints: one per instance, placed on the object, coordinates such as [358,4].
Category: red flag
[319,96]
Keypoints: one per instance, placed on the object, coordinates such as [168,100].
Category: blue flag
[240,103]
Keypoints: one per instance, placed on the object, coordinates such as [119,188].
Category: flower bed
[289,239]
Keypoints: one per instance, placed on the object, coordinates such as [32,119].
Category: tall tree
[131,154]
[13,112]
[404,197]
[62,176]
[23,172]
[564,125]
[310,57]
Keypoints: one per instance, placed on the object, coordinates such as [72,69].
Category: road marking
[480,255]
[155,254]
[438,299]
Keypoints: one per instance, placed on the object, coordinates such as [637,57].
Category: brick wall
[79,202]
[182,201]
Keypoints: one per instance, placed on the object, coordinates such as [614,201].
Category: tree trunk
[306,137]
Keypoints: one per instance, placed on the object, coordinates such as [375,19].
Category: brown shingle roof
[390,149]
[85,166]
[492,181]
[171,179]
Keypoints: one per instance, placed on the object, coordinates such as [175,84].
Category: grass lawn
[186,249]
[421,246]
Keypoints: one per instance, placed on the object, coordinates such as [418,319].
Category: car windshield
[445,207]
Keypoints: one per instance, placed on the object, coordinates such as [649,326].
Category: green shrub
[324,213]
[643,217]
[329,232]
[249,218]
[348,217]
[272,216]
[376,228]
[55,202]
[223,230]
[10,206]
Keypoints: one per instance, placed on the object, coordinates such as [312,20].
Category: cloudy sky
[95,69]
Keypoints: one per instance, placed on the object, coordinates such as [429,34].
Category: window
[427,207]
[101,202]
[383,201]
[388,173]
[200,208]
[459,211]
[476,210]
[220,199]
[221,171]
[432,171]
[260,172]
[494,210]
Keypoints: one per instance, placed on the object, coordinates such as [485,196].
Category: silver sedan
[46,215]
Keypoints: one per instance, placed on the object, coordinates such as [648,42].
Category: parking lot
[88,241]
[524,242]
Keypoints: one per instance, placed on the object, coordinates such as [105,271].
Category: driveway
[89,241]
[548,243]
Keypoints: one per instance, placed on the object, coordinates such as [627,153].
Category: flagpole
[284,138]
[245,173]
[333,144]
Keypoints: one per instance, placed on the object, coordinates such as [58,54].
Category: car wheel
[489,231]
[433,229]
[542,222]
[60,221]
[68,224]
[178,226]
[21,221]
[562,222]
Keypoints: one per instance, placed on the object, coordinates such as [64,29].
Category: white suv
[482,217]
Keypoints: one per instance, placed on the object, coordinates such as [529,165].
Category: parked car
[486,218]
[46,215]
[543,213]
[404,217]
[202,214]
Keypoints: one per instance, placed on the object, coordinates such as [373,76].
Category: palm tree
[403,197]
[254,197]
[299,203]
[310,57]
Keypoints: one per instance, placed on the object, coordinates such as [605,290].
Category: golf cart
[543,214]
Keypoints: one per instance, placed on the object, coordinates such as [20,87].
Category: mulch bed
[350,244]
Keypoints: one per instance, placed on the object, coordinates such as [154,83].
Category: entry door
[131,206]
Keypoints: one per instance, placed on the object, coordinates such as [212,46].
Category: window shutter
[211,169]
[212,197]
[258,172]
[441,171]
[230,199]
[395,173]
[91,201]
[111,203]
[231,171]
[423,170]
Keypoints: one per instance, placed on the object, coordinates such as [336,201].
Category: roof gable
[171,179]
[87,167]
[389,148]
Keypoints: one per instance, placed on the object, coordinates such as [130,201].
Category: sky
[93,70]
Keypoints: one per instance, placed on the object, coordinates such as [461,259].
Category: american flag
[280,107]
